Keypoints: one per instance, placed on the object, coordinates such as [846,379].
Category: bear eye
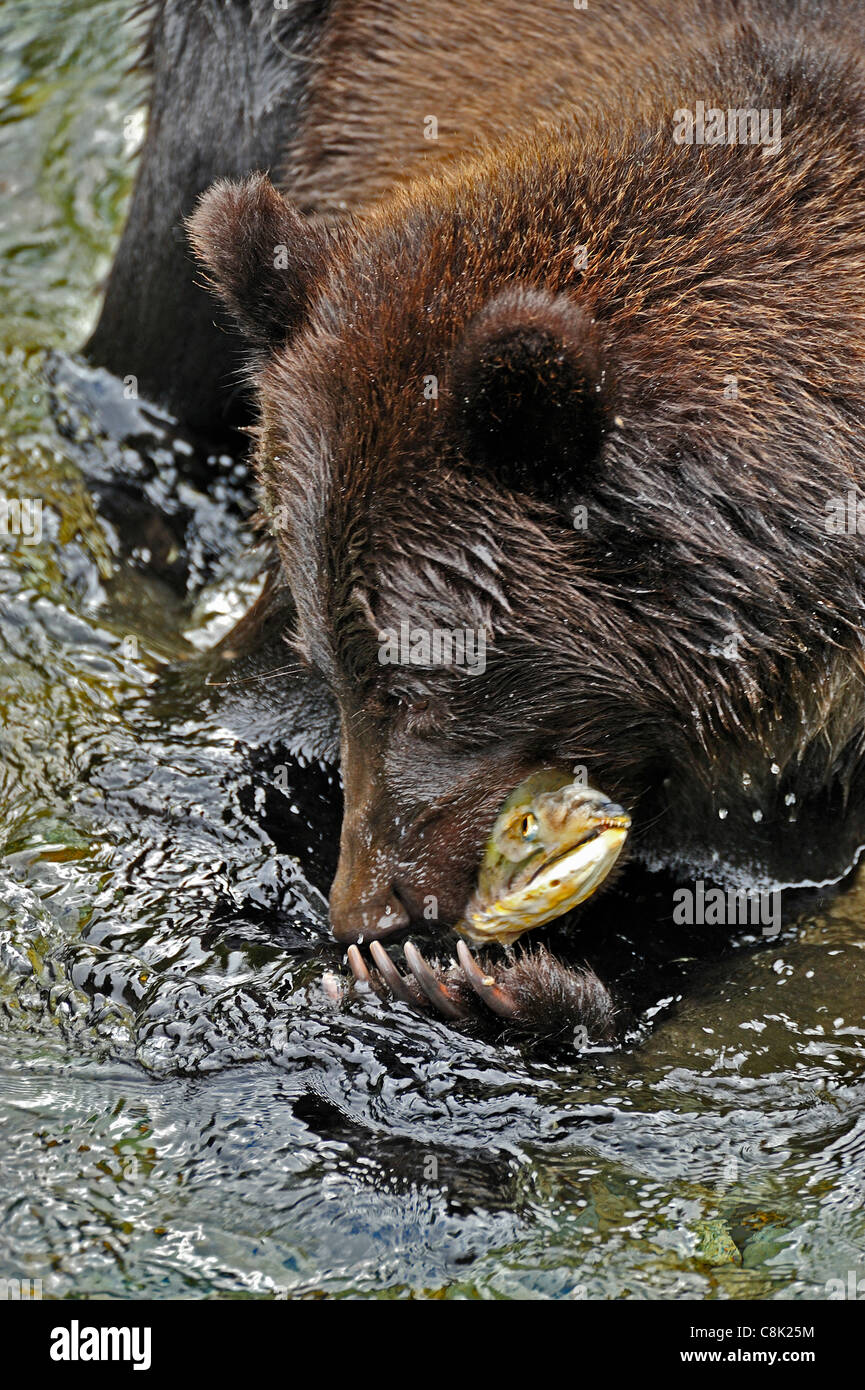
[418,715]
[421,714]
[408,703]
[529,827]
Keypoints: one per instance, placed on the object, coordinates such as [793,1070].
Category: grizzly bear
[555,318]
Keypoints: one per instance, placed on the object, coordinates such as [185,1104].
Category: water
[183,1110]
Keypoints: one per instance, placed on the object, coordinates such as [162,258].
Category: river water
[184,1111]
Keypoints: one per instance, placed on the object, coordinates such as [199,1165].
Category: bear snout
[358,913]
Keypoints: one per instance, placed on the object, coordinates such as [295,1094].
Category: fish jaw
[556,888]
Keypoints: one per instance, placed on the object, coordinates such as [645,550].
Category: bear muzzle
[359,914]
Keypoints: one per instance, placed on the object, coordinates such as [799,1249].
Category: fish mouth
[556,886]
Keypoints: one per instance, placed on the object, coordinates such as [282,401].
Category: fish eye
[528,827]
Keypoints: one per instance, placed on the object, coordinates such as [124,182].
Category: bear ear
[262,256]
[528,386]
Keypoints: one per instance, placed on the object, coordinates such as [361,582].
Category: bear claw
[424,986]
[358,966]
[536,992]
[434,989]
[389,973]
[485,986]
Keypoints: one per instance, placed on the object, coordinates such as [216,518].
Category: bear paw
[537,992]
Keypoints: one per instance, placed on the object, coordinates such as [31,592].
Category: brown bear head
[523,518]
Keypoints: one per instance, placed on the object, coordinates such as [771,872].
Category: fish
[553,843]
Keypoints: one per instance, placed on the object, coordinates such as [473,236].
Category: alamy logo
[17,1289]
[77,1343]
[434,646]
[845,516]
[735,126]
[853,1289]
[21,516]
[719,907]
